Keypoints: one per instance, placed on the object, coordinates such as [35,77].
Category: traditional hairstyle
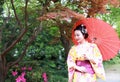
[83,30]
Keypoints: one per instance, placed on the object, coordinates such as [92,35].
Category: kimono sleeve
[71,63]
[98,65]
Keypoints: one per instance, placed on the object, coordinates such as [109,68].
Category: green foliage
[112,17]
[115,17]
[46,53]
[11,30]
[1,3]
[54,73]
[115,60]
[44,47]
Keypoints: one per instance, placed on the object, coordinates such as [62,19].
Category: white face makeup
[79,36]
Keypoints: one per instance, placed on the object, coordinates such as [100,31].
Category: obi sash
[85,64]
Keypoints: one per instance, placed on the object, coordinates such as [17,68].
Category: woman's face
[78,36]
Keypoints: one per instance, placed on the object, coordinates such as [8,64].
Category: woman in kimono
[84,59]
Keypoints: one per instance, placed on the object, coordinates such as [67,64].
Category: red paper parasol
[102,34]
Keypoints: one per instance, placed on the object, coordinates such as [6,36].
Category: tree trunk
[66,44]
[2,70]
[64,38]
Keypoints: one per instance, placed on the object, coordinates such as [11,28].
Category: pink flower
[23,68]
[18,79]
[23,74]
[21,78]
[14,73]
[44,76]
[29,68]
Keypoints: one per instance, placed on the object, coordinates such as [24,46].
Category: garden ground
[112,73]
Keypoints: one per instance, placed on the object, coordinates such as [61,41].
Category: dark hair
[83,30]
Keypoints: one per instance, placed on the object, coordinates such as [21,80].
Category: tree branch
[22,32]
[14,43]
[19,23]
[26,14]
[32,38]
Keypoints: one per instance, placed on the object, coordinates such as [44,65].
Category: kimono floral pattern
[78,53]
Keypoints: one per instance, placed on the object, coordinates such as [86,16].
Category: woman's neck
[82,42]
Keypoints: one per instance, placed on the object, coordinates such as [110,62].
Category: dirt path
[112,73]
